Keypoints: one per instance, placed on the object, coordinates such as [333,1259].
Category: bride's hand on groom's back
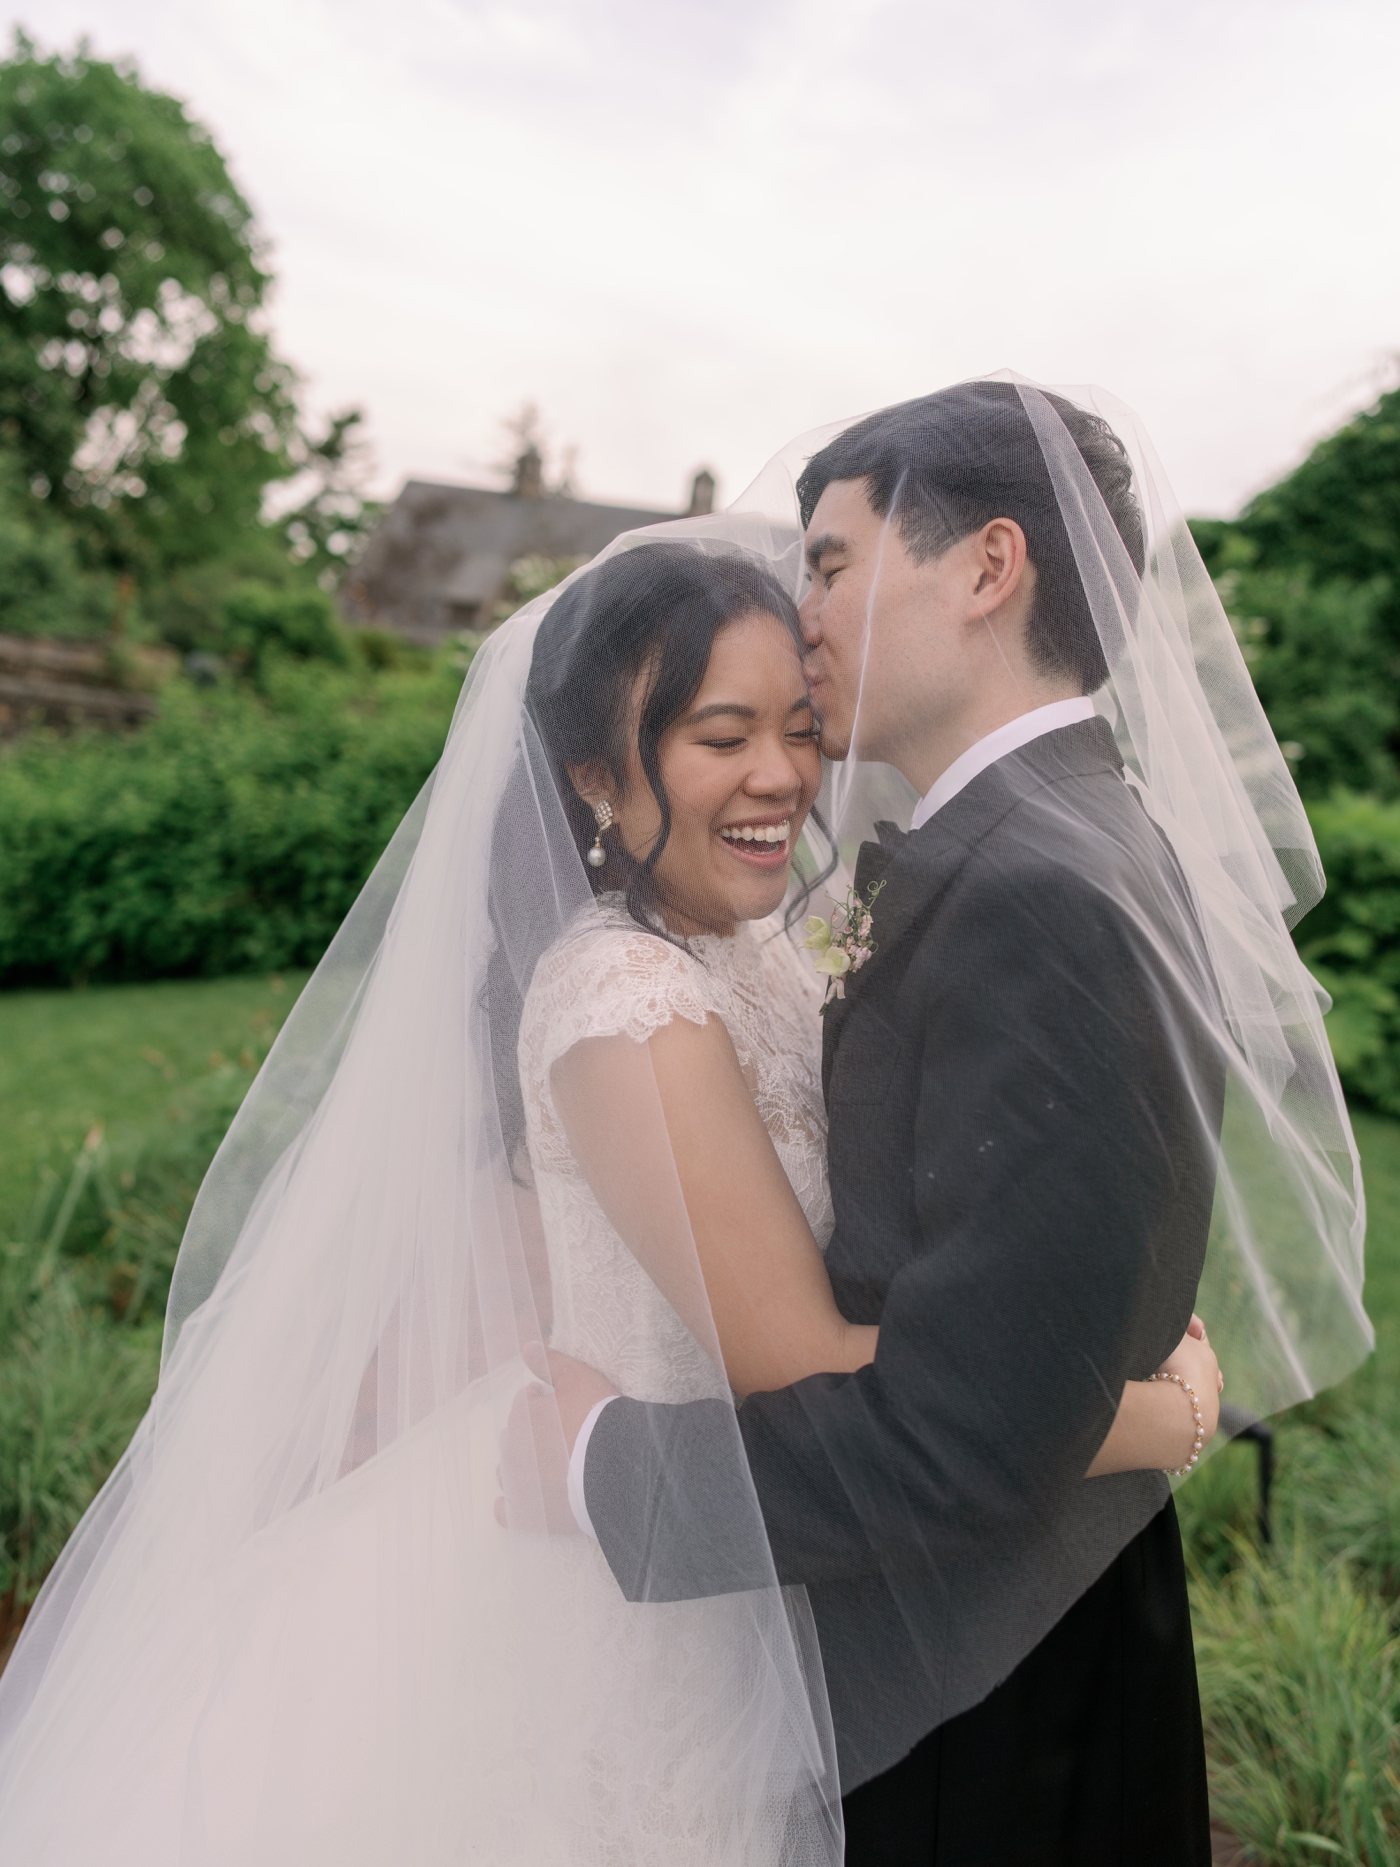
[1155,1427]
[1193,1360]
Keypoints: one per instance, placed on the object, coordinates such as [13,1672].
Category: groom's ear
[1001,566]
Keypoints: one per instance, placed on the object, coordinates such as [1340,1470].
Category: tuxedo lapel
[912,869]
[916,867]
[907,869]
[873,859]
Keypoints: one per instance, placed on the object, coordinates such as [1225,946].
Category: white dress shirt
[1009,738]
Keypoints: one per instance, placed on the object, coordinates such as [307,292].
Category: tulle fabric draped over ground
[291,1627]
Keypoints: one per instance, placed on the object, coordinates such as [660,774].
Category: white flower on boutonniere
[843,943]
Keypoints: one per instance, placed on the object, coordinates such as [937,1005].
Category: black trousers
[1089,1755]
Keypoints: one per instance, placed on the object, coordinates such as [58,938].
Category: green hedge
[234,832]
[1351,941]
[231,834]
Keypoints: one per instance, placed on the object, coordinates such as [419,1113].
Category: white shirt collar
[1008,738]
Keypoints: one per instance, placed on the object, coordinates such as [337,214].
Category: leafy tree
[137,381]
[1351,941]
[143,410]
[1324,664]
[1310,572]
[44,588]
[1337,515]
[331,515]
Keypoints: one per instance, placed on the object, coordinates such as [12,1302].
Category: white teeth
[757,833]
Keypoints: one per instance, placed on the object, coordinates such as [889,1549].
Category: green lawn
[130,1057]
[1298,1650]
[112,1102]
[134,1058]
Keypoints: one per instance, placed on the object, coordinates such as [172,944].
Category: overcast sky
[688,229]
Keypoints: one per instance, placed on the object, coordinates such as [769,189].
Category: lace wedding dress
[617,979]
[646,1787]
[308,1710]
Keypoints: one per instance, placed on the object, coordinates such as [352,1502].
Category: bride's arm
[678,1157]
[1155,1425]
[680,1161]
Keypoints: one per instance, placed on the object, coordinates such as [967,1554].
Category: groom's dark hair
[947,464]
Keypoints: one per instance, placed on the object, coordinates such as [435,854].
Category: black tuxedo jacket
[1024,1090]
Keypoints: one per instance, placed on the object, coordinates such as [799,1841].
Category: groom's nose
[807,616]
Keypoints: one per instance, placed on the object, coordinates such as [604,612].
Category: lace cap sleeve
[607,981]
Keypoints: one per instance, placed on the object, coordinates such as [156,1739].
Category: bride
[557,1081]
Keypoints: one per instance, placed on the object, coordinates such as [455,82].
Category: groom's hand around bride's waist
[544,1421]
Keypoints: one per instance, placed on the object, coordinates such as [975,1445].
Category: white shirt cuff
[577,1502]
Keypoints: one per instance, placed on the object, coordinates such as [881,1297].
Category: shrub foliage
[1351,940]
[231,834]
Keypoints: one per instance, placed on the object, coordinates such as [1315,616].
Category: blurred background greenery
[163,890]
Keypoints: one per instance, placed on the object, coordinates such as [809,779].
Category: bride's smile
[739,769]
[759,841]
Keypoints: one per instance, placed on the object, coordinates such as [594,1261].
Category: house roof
[440,557]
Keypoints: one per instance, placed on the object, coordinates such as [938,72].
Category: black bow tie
[874,858]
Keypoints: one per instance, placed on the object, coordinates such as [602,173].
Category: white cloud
[690,229]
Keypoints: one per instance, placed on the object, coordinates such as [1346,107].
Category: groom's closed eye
[825,556]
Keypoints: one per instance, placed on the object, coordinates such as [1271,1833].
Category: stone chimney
[702,494]
[528,477]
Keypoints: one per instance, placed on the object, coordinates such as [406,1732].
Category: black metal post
[1235,1423]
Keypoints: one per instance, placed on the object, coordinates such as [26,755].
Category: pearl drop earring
[597,856]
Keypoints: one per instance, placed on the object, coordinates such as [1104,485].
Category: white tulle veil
[1283,1276]
[359,1277]
[361,1274]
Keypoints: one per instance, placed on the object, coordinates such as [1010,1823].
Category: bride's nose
[774,774]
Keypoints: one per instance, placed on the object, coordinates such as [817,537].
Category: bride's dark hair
[654,612]
[651,614]
[949,463]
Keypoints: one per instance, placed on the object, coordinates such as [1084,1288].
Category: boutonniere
[843,943]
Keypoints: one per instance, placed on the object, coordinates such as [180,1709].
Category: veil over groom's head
[944,465]
[912,617]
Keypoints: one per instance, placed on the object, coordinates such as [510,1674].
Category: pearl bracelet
[1180,1471]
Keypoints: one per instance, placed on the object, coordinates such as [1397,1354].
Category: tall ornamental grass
[82,1301]
[74,1383]
[1300,1677]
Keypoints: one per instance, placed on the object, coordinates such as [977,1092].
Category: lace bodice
[610,977]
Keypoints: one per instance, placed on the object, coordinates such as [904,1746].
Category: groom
[1024,1102]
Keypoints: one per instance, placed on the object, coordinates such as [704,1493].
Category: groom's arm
[1058,1193]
